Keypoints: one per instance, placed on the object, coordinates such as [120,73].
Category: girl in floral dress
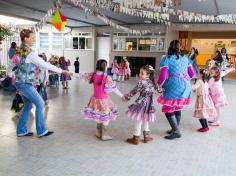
[142,110]
[100,107]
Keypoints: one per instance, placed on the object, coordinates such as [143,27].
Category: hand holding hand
[123,99]
[160,90]
[68,73]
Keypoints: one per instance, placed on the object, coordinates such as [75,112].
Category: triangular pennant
[58,26]
[56,18]
[63,18]
[63,25]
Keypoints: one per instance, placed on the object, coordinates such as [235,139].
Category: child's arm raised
[225,72]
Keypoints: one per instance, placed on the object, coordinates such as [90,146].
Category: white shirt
[35,59]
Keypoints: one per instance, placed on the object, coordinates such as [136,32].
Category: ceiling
[35,9]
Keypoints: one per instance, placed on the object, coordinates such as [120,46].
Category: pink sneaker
[203,130]
[216,124]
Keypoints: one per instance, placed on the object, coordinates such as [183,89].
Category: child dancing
[204,106]
[100,107]
[217,91]
[142,110]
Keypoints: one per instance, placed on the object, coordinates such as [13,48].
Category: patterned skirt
[100,110]
[143,110]
[219,100]
[204,107]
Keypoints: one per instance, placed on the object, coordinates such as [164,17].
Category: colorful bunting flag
[59,21]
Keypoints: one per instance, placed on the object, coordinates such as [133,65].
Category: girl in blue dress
[174,80]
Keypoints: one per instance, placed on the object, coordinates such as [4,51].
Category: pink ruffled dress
[204,106]
[100,107]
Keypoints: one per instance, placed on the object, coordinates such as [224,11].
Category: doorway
[137,62]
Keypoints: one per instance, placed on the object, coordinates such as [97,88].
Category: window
[137,43]
[75,43]
[88,43]
[120,44]
[57,41]
[81,43]
[131,44]
[44,40]
[144,44]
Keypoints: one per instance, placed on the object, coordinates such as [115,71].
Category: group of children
[209,101]
[101,109]
[210,96]
[120,71]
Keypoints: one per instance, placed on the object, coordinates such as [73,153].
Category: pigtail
[92,79]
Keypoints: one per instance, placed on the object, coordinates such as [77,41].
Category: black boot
[178,118]
[204,125]
[175,130]
[202,122]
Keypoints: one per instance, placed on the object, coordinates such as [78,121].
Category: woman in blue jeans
[26,77]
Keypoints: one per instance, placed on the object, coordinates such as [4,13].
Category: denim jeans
[30,96]
[41,90]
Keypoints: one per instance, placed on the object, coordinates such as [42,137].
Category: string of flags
[96,12]
[157,10]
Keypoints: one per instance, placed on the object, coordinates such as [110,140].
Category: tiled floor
[74,150]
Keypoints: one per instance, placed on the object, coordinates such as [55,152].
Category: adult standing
[218,58]
[12,50]
[76,64]
[10,67]
[176,71]
[193,58]
[26,76]
[225,58]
